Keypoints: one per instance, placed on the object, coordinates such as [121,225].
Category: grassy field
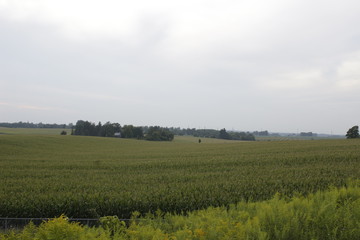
[33,131]
[292,138]
[47,175]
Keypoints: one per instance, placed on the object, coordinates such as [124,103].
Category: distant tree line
[212,133]
[207,133]
[261,133]
[308,134]
[86,128]
[153,133]
[157,133]
[223,134]
[34,125]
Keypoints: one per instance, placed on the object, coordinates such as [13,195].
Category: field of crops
[330,214]
[33,131]
[47,175]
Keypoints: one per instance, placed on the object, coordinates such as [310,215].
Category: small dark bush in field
[63,132]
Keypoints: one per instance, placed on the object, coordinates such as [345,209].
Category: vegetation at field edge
[331,214]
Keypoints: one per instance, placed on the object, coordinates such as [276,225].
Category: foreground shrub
[58,229]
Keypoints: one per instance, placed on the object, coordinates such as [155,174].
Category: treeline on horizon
[222,134]
[87,128]
[34,125]
[155,133]
[152,133]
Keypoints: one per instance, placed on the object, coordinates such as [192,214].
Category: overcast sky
[281,66]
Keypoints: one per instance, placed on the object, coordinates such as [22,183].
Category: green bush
[58,229]
[113,225]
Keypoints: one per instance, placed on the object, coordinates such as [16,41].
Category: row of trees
[308,134]
[159,134]
[156,133]
[153,133]
[223,134]
[261,133]
[34,125]
[86,128]
[212,133]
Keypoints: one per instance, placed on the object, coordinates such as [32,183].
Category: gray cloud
[246,65]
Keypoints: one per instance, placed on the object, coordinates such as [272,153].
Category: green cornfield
[330,214]
[50,175]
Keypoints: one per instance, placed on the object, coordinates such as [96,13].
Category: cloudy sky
[282,66]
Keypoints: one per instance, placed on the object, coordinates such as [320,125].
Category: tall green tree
[223,134]
[108,129]
[127,131]
[157,133]
[353,132]
[138,132]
